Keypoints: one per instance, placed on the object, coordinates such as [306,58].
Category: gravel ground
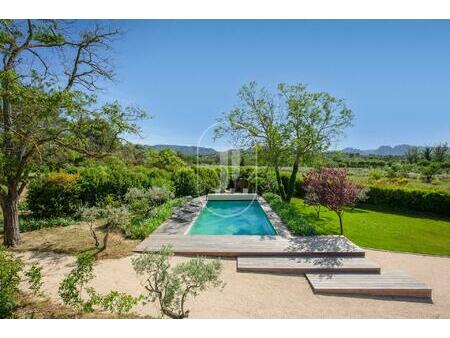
[254,295]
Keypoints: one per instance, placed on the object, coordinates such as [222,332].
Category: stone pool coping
[184,217]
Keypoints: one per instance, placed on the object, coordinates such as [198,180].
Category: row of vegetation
[169,287]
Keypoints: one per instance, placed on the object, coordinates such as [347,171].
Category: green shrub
[207,180]
[296,223]
[99,181]
[10,268]
[72,286]
[185,182]
[261,180]
[62,193]
[54,195]
[75,292]
[138,202]
[375,174]
[159,195]
[32,223]
[141,228]
[437,202]
[141,201]
[162,180]
[34,278]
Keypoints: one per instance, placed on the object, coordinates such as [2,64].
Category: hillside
[186,150]
[398,150]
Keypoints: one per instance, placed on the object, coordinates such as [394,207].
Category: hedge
[54,195]
[60,194]
[195,182]
[437,202]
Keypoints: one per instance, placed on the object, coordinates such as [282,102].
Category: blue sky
[394,75]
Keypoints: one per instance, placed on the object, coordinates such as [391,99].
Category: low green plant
[375,174]
[172,287]
[140,228]
[296,223]
[32,223]
[34,278]
[75,292]
[10,268]
[118,302]
[72,286]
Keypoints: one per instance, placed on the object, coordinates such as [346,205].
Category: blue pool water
[232,218]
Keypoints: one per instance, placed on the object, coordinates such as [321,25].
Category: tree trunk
[340,223]
[292,179]
[11,221]
[280,183]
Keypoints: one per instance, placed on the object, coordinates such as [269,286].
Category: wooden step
[392,283]
[306,264]
[243,245]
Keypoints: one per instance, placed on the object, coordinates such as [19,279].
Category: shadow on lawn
[402,212]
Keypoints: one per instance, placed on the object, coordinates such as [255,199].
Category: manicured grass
[381,229]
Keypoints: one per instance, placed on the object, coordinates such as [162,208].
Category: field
[388,230]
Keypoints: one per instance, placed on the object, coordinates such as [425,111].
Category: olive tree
[171,287]
[50,72]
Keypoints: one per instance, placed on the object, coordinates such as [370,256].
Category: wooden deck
[332,264]
[394,283]
[234,246]
[306,264]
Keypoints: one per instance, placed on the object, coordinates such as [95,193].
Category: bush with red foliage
[331,188]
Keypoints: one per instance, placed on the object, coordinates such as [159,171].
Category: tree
[256,124]
[427,153]
[49,74]
[314,120]
[296,127]
[166,159]
[172,287]
[334,190]
[413,155]
[440,152]
[429,171]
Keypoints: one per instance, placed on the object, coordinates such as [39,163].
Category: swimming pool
[232,218]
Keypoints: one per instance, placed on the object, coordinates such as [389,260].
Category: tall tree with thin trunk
[256,123]
[290,128]
[314,120]
[50,71]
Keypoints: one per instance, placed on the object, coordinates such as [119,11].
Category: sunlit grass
[381,229]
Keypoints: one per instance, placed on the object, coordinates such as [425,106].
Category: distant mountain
[398,150]
[186,150]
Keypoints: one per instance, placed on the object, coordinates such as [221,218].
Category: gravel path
[252,295]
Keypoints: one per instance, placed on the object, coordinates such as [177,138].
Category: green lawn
[389,230]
